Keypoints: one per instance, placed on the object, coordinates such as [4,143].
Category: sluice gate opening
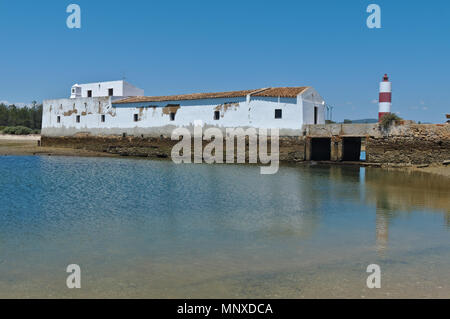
[351,149]
[321,149]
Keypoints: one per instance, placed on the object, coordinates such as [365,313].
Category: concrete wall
[330,130]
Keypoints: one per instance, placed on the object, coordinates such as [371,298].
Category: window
[110,92]
[58,119]
[103,118]
[216,115]
[89,93]
[78,118]
[172,116]
[136,117]
[278,114]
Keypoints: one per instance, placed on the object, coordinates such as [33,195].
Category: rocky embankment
[412,144]
[292,149]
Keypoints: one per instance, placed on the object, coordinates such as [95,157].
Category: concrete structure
[101,89]
[286,108]
[385,99]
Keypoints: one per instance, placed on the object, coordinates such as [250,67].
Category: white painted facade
[100,89]
[101,116]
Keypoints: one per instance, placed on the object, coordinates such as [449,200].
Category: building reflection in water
[398,192]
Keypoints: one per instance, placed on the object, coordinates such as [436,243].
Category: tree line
[28,116]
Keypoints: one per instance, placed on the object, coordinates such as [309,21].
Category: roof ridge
[260,90]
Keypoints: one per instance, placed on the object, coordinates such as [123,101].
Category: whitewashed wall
[309,100]
[121,88]
[154,118]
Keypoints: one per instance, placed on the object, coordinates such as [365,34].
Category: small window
[216,115]
[103,118]
[136,117]
[58,119]
[110,92]
[278,114]
[73,90]
[172,116]
[78,118]
[89,93]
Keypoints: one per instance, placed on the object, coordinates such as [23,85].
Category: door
[316,109]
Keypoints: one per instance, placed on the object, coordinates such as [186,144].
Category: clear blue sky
[170,47]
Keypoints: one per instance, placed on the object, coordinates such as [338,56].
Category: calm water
[141,228]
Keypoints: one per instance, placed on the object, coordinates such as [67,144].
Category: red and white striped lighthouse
[385,97]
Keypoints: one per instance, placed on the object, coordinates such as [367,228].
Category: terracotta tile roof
[282,92]
[267,92]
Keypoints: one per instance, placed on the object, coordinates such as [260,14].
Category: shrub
[388,119]
[17,130]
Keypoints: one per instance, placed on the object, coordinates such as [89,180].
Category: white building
[286,108]
[100,89]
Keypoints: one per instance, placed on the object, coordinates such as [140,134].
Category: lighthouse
[385,97]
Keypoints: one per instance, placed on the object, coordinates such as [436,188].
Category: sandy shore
[28,145]
[8,137]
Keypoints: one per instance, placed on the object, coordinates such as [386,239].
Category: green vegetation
[19,130]
[20,120]
[388,119]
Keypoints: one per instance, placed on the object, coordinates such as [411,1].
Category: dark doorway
[351,149]
[316,109]
[320,149]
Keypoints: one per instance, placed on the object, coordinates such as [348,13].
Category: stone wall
[292,149]
[410,144]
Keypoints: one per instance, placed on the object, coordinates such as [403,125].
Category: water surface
[153,229]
